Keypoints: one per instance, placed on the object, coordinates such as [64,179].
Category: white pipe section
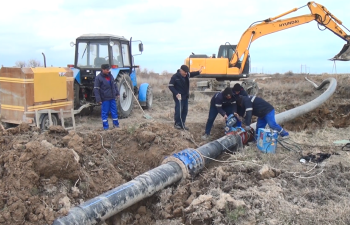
[310,106]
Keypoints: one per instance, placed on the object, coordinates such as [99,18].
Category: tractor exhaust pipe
[44,59]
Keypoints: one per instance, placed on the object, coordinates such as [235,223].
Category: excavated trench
[44,174]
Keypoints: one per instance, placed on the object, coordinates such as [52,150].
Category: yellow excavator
[233,61]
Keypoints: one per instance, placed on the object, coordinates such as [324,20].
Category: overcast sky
[170,31]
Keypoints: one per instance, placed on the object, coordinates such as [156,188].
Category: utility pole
[301,68]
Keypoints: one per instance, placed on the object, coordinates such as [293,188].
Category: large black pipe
[106,205]
[188,162]
[215,148]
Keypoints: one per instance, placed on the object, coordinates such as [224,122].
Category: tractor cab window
[126,57]
[92,55]
[117,56]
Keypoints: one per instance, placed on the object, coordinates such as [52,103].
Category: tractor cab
[93,50]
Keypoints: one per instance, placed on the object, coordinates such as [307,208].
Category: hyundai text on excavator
[233,61]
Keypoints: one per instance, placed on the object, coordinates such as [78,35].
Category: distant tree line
[29,63]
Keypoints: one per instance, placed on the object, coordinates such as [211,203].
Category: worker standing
[224,103]
[255,106]
[106,92]
[179,85]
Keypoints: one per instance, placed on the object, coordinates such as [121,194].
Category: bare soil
[44,174]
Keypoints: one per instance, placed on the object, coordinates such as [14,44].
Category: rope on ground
[289,146]
[288,172]
[106,148]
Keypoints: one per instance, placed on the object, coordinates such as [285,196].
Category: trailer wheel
[125,102]
[45,122]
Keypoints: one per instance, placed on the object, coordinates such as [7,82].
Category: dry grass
[159,83]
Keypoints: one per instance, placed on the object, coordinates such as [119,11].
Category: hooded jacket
[105,87]
[181,85]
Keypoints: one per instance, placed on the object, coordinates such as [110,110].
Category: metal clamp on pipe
[190,161]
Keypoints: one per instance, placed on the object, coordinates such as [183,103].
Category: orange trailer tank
[23,91]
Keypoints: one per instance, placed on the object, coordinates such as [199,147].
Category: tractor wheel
[125,102]
[45,122]
[149,98]
[76,95]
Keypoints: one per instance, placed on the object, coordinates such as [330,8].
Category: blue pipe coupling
[190,160]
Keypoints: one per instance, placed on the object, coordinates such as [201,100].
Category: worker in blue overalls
[106,92]
[255,106]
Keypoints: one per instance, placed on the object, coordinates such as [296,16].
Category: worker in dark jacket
[106,92]
[179,85]
[224,103]
[255,106]
[239,90]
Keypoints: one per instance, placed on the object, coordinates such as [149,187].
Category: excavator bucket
[344,54]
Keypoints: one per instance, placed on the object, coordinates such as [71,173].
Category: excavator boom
[233,61]
[319,13]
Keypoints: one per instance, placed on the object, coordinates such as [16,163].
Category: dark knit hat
[185,68]
[105,66]
[227,91]
[237,87]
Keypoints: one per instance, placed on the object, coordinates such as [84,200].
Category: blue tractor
[93,50]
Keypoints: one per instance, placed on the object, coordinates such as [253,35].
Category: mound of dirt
[43,174]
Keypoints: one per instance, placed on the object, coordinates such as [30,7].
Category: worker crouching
[222,102]
[255,106]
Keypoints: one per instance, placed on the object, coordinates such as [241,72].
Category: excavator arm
[319,13]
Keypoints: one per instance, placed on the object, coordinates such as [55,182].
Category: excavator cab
[227,51]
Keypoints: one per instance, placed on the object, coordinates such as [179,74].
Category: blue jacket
[219,101]
[255,106]
[104,89]
[181,85]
